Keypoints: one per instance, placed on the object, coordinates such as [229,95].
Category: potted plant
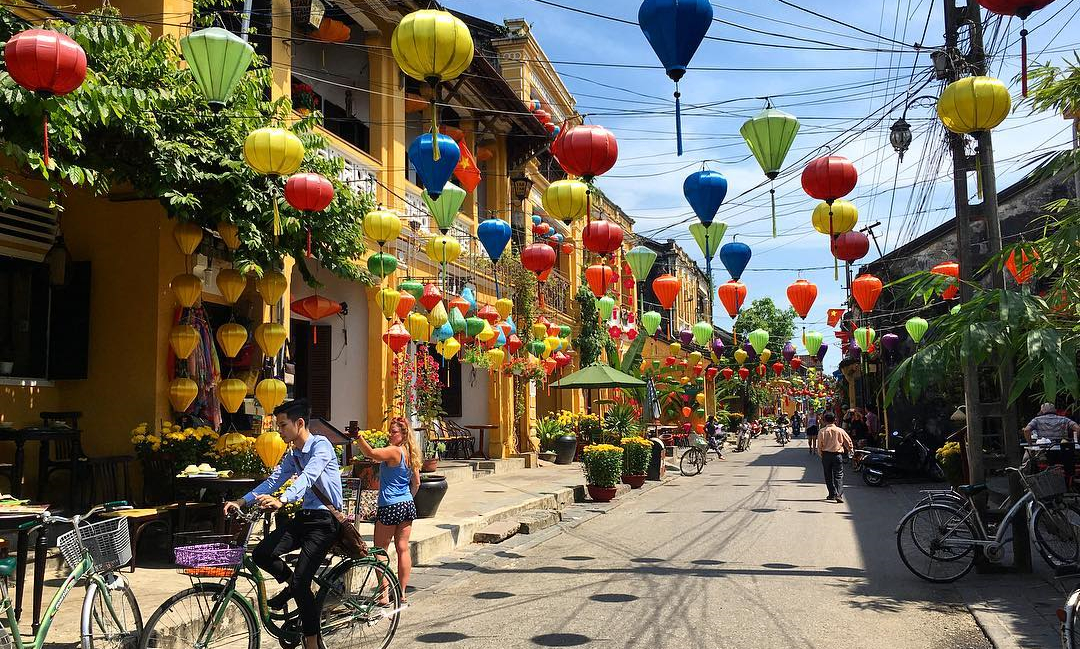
[433,451]
[367,471]
[602,465]
[548,430]
[621,420]
[951,462]
[304,99]
[637,451]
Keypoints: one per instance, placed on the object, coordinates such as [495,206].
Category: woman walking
[399,479]
[812,430]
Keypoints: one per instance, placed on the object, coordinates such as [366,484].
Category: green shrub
[637,451]
[602,464]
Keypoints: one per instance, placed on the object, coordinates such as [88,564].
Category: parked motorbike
[782,435]
[742,442]
[909,458]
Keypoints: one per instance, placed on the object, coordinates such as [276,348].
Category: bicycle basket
[1047,484]
[202,550]
[108,542]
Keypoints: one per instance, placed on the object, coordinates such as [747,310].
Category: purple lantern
[821,351]
[751,353]
[788,352]
[854,350]
[718,347]
[890,342]
[686,337]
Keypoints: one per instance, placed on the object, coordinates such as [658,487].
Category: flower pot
[432,489]
[429,465]
[565,448]
[368,474]
[601,494]
[635,481]
[547,456]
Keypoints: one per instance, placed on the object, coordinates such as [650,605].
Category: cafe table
[223,488]
[480,429]
[44,437]
[12,518]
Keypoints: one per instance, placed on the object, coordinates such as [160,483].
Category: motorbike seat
[970,490]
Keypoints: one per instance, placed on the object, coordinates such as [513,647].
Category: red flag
[834,316]
[467,173]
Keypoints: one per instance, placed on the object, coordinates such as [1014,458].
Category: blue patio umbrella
[735,256]
[434,174]
[675,29]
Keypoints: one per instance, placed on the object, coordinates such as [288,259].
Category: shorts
[396,514]
[812,431]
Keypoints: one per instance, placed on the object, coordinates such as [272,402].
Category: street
[746,554]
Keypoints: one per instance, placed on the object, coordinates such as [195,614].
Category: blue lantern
[513,327]
[705,191]
[494,234]
[501,340]
[469,296]
[444,331]
[735,256]
[557,238]
[434,174]
[675,29]
[536,219]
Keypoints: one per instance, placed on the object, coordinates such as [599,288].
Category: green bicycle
[360,601]
[93,551]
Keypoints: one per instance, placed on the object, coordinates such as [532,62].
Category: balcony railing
[356,173]
[556,292]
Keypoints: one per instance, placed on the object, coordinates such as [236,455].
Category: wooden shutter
[69,325]
[313,361]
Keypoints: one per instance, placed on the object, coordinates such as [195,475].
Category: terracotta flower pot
[368,474]
[635,481]
[429,465]
[601,494]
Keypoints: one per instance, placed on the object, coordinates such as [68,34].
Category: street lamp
[900,136]
[941,64]
[521,185]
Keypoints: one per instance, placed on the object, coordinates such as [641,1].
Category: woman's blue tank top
[394,482]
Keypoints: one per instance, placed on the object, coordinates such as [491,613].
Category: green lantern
[650,320]
[564,331]
[456,320]
[916,328]
[641,260]
[536,347]
[812,340]
[703,332]
[473,325]
[759,339]
[412,287]
[708,238]
[381,264]
[865,336]
[769,134]
[218,59]
[445,207]
[606,305]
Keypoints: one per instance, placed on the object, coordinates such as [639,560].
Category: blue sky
[830,92]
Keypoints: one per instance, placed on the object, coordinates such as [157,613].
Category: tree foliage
[139,126]
[764,314]
[592,338]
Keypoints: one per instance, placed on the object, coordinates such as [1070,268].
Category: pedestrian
[399,480]
[812,431]
[873,423]
[832,447]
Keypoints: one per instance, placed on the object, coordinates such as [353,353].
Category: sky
[831,91]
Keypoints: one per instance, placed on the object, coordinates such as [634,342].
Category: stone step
[496,532]
[533,521]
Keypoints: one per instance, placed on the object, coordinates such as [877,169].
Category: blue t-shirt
[394,482]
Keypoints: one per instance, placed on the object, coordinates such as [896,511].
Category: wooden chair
[458,438]
[61,451]
[109,481]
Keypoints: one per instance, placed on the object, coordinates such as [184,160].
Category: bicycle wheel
[349,600]
[689,463]
[937,543]
[184,617]
[1055,532]
[114,623]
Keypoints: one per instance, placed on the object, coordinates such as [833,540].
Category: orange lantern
[396,338]
[1023,274]
[332,31]
[867,290]
[802,294]
[949,269]
[405,305]
[666,287]
[599,277]
[315,307]
[732,295]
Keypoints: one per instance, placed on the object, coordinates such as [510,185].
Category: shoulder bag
[349,543]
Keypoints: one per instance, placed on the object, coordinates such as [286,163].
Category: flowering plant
[304,97]
[951,462]
[637,452]
[602,464]
[376,438]
[239,457]
[183,446]
[288,509]
[522,367]
[548,429]
[419,389]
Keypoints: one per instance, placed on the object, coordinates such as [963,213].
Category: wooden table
[480,429]
[224,487]
[43,436]
[11,521]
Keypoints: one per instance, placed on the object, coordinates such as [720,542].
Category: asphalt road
[748,554]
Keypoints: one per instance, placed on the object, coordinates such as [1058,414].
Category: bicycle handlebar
[48,518]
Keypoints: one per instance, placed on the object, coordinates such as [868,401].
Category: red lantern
[670,361]
[404,305]
[550,127]
[834,317]
[949,269]
[541,229]
[796,363]
[309,192]
[1021,9]
[599,278]
[744,373]
[431,296]
[686,411]
[567,248]
[631,334]
[732,295]
[829,178]
[628,283]
[727,373]
[542,277]
[396,338]
[696,370]
[761,370]
[666,287]
[488,312]
[47,63]
[538,257]
[850,246]
[315,307]
[461,304]
[586,150]
[615,331]
[542,116]
[711,373]
[802,294]
[778,368]
[867,290]
[1023,274]
[602,237]
[549,365]
[513,344]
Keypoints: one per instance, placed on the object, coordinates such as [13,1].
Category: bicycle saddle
[970,490]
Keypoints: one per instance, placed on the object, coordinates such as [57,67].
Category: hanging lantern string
[1023,62]
[45,132]
[678,120]
[772,201]
[434,81]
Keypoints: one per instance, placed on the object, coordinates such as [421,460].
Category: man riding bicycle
[312,460]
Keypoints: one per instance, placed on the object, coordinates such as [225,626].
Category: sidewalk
[470,504]
[1016,611]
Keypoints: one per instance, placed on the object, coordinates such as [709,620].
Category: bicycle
[696,457]
[213,614]
[942,533]
[94,551]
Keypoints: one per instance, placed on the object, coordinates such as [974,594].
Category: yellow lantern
[675,348]
[443,249]
[448,348]
[418,327]
[183,339]
[270,393]
[974,104]
[551,343]
[231,284]
[188,236]
[844,217]
[700,398]
[228,440]
[270,336]
[187,289]
[740,356]
[272,286]
[566,200]
[270,447]
[565,344]
[438,316]
[387,299]
[693,358]
[230,234]
[273,151]
[382,226]
[684,380]
[496,357]
[231,393]
[766,354]
[539,331]
[182,391]
[486,334]
[231,338]
[504,306]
